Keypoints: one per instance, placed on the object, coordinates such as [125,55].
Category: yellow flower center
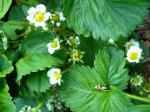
[73,42]
[39,17]
[135,80]
[76,54]
[134,55]
[57,75]
[54,44]
[55,18]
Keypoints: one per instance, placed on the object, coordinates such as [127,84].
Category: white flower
[137,80]
[5,42]
[58,24]
[38,15]
[134,54]
[61,16]
[53,46]
[55,76]
[111,40]
[132,42]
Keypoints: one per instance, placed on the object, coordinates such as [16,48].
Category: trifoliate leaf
[5,66]
[6,104]
[4,6]
[97,89]
[35,55]
[105,18]
[109,63]
[38,81]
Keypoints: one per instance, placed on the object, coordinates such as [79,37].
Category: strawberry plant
[73,56]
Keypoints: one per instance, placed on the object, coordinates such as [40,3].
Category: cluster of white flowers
[55,76]
[38,16]
[53,46]
[137,80]
[134,51]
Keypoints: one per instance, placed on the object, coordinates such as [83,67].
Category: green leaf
[35,55]
[105,18]
[91,50]
[38,82]
[20,103]
[35,43]
[6,104]
[10,28]
[18,12]
[2,83]
[109,63]
[5,66]
[78,88]
[4,6]
[140,108]
[55,4]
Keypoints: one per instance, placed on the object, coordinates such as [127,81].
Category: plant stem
[137,98]
[38,107]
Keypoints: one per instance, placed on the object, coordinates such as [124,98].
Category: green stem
[38,107]
[137,98]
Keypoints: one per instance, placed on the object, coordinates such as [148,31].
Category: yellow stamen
[39,17]
[55,17]
[54,44]
[76,54]
[57,75]
[134,55]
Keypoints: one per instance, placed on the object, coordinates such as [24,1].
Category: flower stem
[137,98]
[38,107]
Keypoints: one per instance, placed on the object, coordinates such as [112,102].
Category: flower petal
[41,8]
[47,16]
[32,11]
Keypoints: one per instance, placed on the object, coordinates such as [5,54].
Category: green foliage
[104,18]
[109,63]
[140,108]
[80,91]
[10,28]
[5,66]
[38,82]
[90,53]
[18,12]
[6,104]
[4,6]
[90,46]
[35,55]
